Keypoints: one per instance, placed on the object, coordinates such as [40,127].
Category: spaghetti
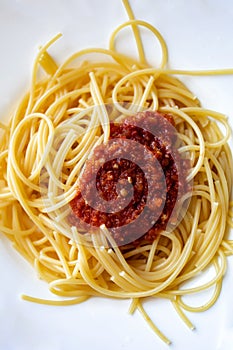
[43,151]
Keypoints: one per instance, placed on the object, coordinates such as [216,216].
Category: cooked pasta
[44,149]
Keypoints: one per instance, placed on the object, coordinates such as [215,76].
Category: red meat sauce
[132,183]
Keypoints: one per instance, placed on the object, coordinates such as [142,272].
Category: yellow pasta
[57,125]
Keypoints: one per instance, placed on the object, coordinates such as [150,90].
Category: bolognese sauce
[132,190]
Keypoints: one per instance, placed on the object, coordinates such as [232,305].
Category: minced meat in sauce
[122,185]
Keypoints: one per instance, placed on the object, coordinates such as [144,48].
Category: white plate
[199,36]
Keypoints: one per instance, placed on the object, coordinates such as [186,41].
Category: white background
[199,36]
